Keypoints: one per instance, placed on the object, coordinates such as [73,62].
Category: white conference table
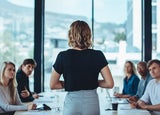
[125,109]
[55,100]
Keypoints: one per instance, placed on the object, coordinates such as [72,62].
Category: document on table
[44,100]
[123,101]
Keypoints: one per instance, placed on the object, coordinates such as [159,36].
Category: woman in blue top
[130,82]
[80,67]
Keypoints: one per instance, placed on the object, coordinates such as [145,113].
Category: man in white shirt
[151,98]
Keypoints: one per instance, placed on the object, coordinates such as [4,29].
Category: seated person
[22,77]
[130,82]
[145,78]
[9,98]
[150,100]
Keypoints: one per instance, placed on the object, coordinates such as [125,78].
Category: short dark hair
[28,61]
[153,61]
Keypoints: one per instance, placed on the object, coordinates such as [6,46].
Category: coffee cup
[114,106]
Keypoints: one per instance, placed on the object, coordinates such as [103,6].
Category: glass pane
[59,14]
[16,31]
[155,29]
[117,32]
[154,16]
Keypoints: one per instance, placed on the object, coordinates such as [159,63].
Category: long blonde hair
[12,83]
[133,71]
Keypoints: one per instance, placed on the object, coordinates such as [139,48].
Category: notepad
[44,100]
[123,101]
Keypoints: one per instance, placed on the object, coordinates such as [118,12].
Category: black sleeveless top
[80,68]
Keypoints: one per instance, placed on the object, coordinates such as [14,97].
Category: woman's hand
[31,106]
[118,95]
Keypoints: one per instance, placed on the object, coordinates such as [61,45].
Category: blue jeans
[84,102]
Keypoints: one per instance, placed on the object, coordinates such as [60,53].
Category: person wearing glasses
[9,98]
[22,77]
[80,67]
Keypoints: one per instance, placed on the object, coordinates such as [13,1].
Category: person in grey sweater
[9,98]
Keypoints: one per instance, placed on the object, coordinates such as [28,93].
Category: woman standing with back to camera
[80,67]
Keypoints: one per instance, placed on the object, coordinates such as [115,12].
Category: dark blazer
[23,82]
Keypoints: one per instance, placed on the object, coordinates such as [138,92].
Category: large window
[16,31]
[155,29]
[58,17]
[116,26]
[116,31]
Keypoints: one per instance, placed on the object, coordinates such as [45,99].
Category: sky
[105,10]
[111,10]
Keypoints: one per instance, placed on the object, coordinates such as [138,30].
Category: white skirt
[83,102]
